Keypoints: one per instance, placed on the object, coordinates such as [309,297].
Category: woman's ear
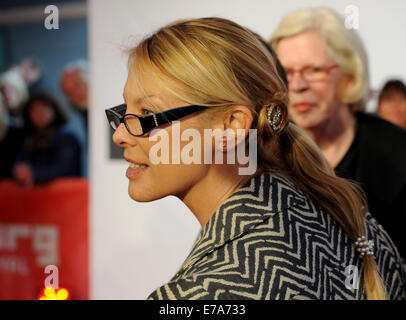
[239,117]
[235,124]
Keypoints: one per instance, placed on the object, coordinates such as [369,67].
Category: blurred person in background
[327,71]
[13,94]
[50,150]
[33,76]
[392,102]
[74,84]
[16,86]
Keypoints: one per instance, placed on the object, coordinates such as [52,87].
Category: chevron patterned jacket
[269,240]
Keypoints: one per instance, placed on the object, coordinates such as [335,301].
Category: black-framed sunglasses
[140,125]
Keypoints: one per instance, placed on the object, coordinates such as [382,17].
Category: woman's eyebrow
[141,99]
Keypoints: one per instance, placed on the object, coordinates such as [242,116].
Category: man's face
[75,88]
[312,102]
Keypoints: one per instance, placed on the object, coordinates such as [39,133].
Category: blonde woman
[327,70]
[289,230]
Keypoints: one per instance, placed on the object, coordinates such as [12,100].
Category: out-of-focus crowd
[37,141]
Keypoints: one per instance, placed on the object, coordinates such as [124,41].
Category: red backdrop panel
[45,225]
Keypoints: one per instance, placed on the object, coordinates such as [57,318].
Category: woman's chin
[140,194]
[139,197]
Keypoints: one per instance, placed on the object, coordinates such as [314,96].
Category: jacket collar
[247,207]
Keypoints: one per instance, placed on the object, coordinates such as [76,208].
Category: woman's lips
[134,172]
[304,106]
[135,169]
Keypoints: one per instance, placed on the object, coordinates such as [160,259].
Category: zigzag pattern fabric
[269,240]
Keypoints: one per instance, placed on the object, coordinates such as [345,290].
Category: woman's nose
[121,136]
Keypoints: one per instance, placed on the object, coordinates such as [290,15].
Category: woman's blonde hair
[218,63]
[344,47]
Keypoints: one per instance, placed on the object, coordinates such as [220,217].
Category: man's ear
[235,126]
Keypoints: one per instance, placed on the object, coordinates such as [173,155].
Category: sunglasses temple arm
[172,115]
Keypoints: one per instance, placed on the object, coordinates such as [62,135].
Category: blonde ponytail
[342,199]
[373,283]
